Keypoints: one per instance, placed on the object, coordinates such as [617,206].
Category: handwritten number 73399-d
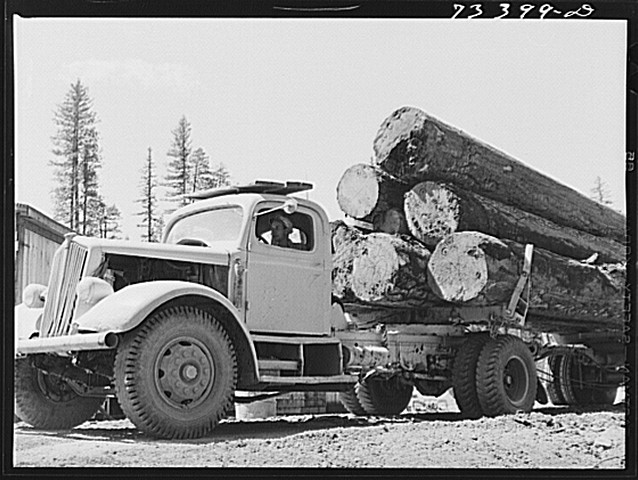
[507,10]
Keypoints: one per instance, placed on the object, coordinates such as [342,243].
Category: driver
[280,228]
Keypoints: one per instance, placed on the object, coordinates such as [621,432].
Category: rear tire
[506,377]
[47,402]
[554,390]
[383,397]
[175,375]
[349,400]
[577,393]
[464,375]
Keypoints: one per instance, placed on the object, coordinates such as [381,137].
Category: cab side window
[280,230]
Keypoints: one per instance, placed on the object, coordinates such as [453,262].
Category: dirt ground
[548,437]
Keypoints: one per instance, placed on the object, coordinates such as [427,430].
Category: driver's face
[278,231]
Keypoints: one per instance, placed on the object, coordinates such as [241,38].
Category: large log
[415,147]
[380,269]
[365,192]
[434,210]
[472,268]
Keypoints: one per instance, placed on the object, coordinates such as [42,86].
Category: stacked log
[365,193]
[472,268]
[475,208]
[434,210]
[380,269]
[416,147]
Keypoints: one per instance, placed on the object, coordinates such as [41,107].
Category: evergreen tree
[201,176]
[179,168]
[600,192]
[108,221]
[77,148]
[151,219]
[220,177]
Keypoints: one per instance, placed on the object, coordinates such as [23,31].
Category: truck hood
[217,254]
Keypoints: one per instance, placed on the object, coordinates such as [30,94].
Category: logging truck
[215,314]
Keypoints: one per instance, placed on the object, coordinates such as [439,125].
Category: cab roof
[259,186]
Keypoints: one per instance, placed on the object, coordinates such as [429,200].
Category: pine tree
[220,177]
[200,170]
[108,220]
[179,168]
[151,218]
[600,192]
[202,177]
[77,148]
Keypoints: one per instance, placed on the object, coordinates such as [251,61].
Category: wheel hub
[515,380]
[184,373]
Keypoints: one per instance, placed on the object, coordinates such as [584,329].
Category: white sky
[303,99]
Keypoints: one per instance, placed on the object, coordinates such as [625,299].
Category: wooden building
[37,238]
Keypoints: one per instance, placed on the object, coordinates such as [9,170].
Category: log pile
[467,210]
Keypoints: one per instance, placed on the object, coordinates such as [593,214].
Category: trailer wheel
[175,375]
[47,402]
[383,397]
[464,375]
[576,392]
[506,377]
[349,400]
[554,384]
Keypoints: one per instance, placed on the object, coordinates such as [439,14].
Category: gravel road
[550,437]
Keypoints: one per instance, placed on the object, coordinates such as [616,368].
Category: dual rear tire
[377,396]
[494,376]
[570,385]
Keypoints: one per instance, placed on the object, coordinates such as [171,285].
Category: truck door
[287,287]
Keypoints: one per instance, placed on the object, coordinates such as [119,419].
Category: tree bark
[380,269]
[472,268]
[365,192]
[415,147]
[435,210]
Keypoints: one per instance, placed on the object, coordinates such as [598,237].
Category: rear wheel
[176,374]
[349,400]
[553,385]
[464,375]
[46,401]
[506,377]
[383,397]
[578,386]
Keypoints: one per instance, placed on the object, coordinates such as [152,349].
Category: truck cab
[266,279]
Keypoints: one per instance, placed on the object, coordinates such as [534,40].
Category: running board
[273,382]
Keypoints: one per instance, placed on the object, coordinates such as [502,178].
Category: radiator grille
[66,271]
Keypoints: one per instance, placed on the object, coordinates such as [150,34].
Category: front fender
[127,308]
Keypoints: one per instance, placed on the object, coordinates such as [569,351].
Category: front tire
[506,377]
[175,375]
[383,397]
[47,402]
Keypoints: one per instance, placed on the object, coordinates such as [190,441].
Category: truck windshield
[204,228]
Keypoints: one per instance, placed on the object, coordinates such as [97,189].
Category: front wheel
[175,375]
[506,377]
[46,401]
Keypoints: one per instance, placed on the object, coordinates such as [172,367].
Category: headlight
[91,290]
[33,295]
